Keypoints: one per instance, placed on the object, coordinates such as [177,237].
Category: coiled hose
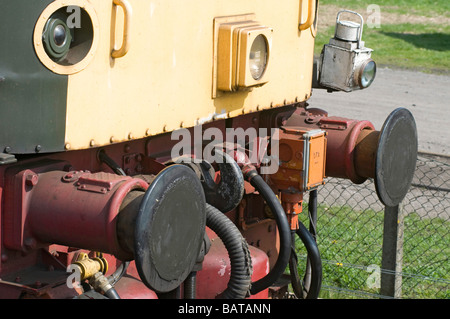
[284,232]
[238,251]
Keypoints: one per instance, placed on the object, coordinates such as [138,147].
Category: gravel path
[427,96]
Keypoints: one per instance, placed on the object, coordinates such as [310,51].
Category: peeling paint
[223,268]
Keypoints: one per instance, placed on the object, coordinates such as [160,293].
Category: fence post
[392,255]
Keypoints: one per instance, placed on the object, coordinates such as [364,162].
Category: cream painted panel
[165,81]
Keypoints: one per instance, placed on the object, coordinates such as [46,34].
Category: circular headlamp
[366,74]
[258,57]
[66,42]
[57,38]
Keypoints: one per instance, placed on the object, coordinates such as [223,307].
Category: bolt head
[31,179]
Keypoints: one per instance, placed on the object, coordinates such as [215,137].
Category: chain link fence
[350,237]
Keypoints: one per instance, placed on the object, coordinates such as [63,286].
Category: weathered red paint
[215,273]
[86,204]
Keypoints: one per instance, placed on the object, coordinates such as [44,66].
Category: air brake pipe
[110,162]
[313,273]
[312,281]
[241,270]
[314,258]
[190,284]
[312,212]
[252,176]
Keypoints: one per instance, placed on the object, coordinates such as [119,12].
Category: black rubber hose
[110,162]
[112,294]
[238,252]
[312,214]
[283,228]
[120,271]
[296,281]
[190,286]
[315,262]
[312,211]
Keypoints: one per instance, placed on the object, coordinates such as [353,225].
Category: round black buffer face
[169,228]
[396,157]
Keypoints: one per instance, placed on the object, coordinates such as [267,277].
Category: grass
[350,243]
[422,45]
[418,7]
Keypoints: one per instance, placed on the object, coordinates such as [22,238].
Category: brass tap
[90,266]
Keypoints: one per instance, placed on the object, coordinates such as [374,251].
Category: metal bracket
[7,158]
[98,182]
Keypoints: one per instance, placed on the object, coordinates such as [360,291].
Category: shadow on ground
[429,41]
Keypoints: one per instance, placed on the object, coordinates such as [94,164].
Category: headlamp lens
[368,74]
[59,35]
[258,57]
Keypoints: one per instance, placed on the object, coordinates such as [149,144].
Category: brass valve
[90,266]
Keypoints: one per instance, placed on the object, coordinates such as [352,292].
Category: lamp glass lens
[258,57]
[59,35]
[368,74]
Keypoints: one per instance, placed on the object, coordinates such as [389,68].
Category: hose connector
[100,283]
[88,267]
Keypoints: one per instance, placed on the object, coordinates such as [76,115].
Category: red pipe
[341,150]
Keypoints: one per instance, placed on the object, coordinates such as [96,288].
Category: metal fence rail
[352,235]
